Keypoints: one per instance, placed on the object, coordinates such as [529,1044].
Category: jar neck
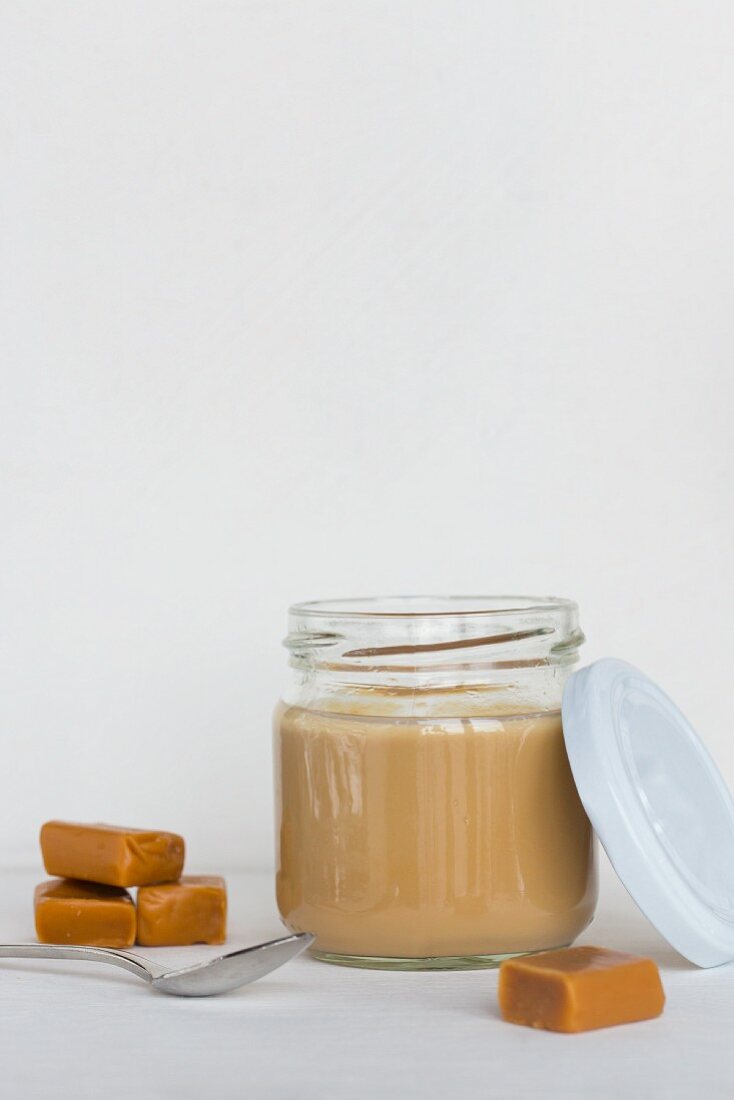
[429,653]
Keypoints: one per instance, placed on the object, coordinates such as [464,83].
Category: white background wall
[315,299]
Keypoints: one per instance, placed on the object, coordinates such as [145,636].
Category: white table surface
[312,1031]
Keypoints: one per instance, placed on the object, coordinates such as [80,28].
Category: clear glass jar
[426,812]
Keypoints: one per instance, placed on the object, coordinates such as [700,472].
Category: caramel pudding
[429,837]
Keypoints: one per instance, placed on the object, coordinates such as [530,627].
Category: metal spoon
[200,980]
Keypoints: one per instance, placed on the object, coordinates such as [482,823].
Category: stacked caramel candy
[90,905]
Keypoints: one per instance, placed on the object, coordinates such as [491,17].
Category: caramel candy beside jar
[84,913]
[176,914]
[579,988]
[111,855]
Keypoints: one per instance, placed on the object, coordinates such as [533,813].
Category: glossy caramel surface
[83,913]
[192,910]
[579,989]
[110,854]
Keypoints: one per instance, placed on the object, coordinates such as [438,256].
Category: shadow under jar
[427,817]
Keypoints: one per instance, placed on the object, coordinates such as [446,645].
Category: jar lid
[657,802]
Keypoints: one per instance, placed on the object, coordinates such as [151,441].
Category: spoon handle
[140,967]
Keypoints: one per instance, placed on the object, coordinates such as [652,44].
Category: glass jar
[426,812]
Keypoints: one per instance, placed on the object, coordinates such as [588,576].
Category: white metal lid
[658,804]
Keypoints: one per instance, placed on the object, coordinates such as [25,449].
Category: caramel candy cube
[579,988]
[84,913]
[108,854]
[193,910]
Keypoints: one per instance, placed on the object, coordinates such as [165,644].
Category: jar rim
[422,637]
[430,606]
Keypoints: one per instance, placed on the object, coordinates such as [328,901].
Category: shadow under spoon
[204,979]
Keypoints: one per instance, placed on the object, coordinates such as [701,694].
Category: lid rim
[375,607]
